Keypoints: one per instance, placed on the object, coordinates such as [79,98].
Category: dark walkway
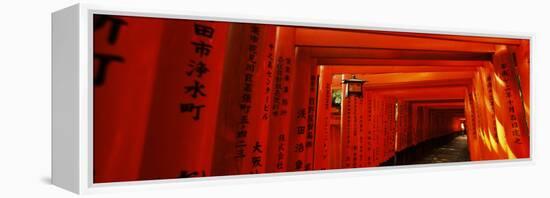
[454,151]
[451,148]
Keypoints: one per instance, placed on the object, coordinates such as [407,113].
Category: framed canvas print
[146,97]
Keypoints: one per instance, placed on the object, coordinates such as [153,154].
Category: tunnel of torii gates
[266,103]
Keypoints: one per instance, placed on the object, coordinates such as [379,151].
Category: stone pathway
[454,151]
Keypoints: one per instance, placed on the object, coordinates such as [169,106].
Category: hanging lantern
[354,86]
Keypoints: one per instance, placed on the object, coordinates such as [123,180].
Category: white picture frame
[72,103]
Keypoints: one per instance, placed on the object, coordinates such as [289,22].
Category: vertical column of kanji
[487,79]
[473,143]
[184,106]
[282,100]
[243,148]
[253,122]
[379,129]
[373,128]
[391,127]
[509,104]
[229,148]
[392,123]
[522,59]
[125,60]
[242,130]
[347,125]
[368,155]
[311,114]
[387,127]
[355,130]
[478,123]
[262,85]
[361,142]
[297,137]
[322,128]
[488,117]
[383,127]
[486,148]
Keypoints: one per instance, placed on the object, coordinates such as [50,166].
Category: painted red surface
[183,98]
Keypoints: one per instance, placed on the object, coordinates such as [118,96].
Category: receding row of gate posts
[188,98]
